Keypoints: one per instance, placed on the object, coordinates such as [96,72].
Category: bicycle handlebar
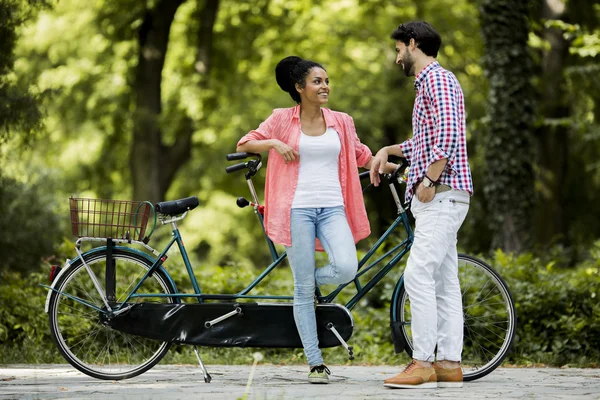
[241,156]
[236,167]
[253,165]
[394,175]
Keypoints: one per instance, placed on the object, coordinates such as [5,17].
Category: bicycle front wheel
[86,343]
[490,319]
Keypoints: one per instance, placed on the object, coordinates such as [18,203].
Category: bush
[558,314]
[558,310]
[29,224]
[24,333]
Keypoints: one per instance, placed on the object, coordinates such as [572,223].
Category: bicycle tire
[478,359]
[87,344]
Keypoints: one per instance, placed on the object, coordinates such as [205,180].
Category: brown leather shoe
[448,377]
[413,377]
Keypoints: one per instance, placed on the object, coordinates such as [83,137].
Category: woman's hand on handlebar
[258,146]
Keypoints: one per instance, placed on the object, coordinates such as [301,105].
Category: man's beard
[408,64]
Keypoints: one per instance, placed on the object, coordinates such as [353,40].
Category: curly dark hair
[425,35]
[292,70]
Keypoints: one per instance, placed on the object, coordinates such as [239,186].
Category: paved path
[287,382]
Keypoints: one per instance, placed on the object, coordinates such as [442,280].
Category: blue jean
[331,227]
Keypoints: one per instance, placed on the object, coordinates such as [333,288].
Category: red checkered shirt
[439,131]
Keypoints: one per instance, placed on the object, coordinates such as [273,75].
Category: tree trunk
[551,220]
[153,165]
[509,183]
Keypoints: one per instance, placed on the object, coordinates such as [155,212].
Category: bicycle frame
[397,252]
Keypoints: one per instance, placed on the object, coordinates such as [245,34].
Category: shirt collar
[423,74]
[327,115]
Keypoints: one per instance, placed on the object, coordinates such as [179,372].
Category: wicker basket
[115,219]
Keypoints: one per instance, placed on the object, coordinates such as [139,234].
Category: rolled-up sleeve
[264,131]
[407,147]
[363,153]
[442,92]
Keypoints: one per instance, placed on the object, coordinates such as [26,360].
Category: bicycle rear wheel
[86,343]
[490,319]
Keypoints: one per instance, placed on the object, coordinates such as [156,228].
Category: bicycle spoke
[88,344]
[492,333]
[489,295]
[489,321]
[478,304]
[480,354]
[484,338]
[480,346]
[497,324]
[133,281]
[483,318]
[76,311]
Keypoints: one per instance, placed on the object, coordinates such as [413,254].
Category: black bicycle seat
[177,207]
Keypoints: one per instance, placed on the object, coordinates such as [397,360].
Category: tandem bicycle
[115,310]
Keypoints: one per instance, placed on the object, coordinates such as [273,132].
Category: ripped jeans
[331,227]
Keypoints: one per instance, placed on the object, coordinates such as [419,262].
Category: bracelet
[434,181]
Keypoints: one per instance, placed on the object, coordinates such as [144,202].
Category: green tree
[154,164]
[509,185]
[19,111]
[87,56]
[28,224]
[567,99]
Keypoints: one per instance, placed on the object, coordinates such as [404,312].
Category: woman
[312,191]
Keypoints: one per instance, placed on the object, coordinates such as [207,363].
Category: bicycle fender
[69,263]
[395,325]
[394,299]
[50,291]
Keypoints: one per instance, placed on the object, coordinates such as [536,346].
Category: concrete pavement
[286,382]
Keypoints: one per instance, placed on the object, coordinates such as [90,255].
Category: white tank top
[318,179]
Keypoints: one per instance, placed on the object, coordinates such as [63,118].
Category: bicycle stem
[252,191]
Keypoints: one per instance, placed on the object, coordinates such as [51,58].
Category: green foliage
[582,98]
[24,332]
[557,309]
[84,55]
[18,105]
[29,223]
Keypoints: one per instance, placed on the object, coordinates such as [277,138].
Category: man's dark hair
[426,37]
[292,70]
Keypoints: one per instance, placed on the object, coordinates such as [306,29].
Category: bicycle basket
[116,219]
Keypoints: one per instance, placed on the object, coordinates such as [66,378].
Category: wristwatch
[428,183]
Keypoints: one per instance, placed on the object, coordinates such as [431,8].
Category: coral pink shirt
[282,178]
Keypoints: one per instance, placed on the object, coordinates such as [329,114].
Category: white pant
[431,277]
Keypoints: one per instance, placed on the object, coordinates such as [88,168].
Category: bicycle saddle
[177,207]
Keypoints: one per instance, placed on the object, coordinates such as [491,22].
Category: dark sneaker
[414,376]
[448,377]
[319,374]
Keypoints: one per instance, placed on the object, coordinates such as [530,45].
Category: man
[438,188]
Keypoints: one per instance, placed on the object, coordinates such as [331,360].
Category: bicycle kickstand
[207,377]
[339,337]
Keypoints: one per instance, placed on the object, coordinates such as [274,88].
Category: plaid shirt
[439,131]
